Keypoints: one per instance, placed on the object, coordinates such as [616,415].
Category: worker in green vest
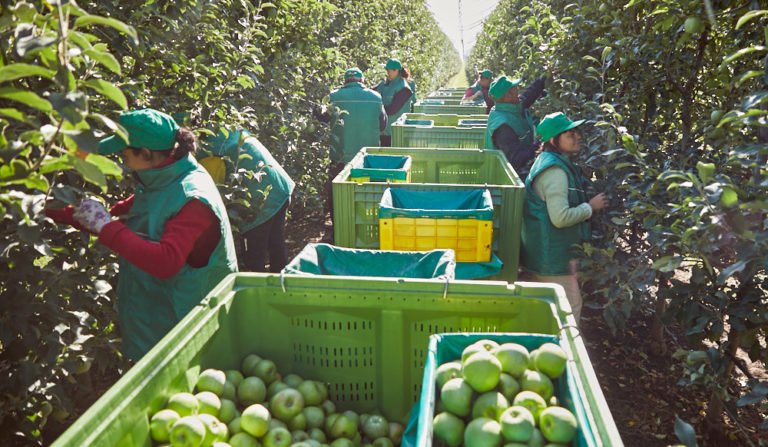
[358,119]
[556,210]
[478,92]
[511,128]
[264,234]
[412,85]
[172,236]
[396,96]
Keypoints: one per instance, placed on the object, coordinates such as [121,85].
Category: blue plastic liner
[458,204]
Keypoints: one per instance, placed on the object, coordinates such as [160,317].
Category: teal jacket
[388,89]
[546,249]
[150,307]
[514,116]
[358,125]
[274,175]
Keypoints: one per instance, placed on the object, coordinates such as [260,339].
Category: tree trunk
[713,421]
[657,345]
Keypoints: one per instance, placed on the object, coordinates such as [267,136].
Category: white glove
[92,215]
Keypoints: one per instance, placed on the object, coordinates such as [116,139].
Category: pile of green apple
[502,394]
[255,406]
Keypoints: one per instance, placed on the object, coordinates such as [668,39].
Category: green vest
[546,249]
[150,307]
[358,124]
[515,117]
[274,175]
[412,86]
[388,90]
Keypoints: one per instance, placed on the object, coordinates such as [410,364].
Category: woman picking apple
[556,211]
[172,236]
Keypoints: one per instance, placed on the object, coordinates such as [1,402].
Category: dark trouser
[268,237]
[333,170]
[385,140]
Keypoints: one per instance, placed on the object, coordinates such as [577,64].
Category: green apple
[301,444]
[328,406]
[342,442]
[480,345]
[234,425]
[517,424]
[489,404]
[315,416]
[481,371]
[375,426]
[277,437]
[539,383]
[208,403]
[229,392]
[160,424]
[233,376]
[553,402]
[482,432]
[184,404]
[343,427]
[513,358]
[314,392]
[275,387]
[266,370]
[255,420]
[215,430]
[383,442]
[228,411]
[243,439]
[299,436]
[189,431]
[298,422]
[448,428]
[221,444]
[353,416]
[456,395]
[447,371]
[557,424]
[537,439]
[396,431]
[251,391]
[693,25]
[249,364]
[329,420]
[293,380]
[508,386]
[274,423]
[312,443]
[532,359]
[317,434]
[211,380]
[551,360]
[286,404]
[532,401]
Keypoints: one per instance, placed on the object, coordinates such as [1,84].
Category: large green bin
[366,338]
[325,259]
[356,205]
[458,109]
[460,131]
[577,390]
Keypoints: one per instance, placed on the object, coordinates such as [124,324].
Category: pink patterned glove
[92,215]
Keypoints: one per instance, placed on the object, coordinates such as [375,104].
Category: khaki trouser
[571,286]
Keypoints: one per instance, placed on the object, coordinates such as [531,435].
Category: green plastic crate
[356,205]
[382,168]
[578,390]
[446,131]
[366,338]
[458,109]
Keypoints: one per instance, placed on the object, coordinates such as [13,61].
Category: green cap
[501,86]
[554,124]
[147,128]
[353,73]
[487,74]
[393,64]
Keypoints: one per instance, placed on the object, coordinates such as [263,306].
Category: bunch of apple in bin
[502,394]
[256,407]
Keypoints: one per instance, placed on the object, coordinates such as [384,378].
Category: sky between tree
[473,12]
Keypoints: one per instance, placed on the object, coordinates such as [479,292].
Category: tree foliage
[68,69]
[675,93]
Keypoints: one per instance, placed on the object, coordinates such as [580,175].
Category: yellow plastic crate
[368,179]
[470,239]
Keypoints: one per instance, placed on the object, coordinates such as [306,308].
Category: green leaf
[56,164]
[114,23]
[749,75]
[90,172]
[109,90]
[685,432]
[27,45]
[26,97]
[749,16]
[105,165]
[606,52]
[20,70]
[83,139]
[70,105]
[667,263]
[729,271]
[13,114]
[706,171]
[105,58]
[744,51]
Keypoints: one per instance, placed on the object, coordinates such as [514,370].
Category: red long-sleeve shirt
[189,237]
